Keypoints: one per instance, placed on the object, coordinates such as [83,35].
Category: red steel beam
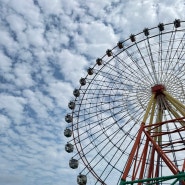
[131,156]
[165,158]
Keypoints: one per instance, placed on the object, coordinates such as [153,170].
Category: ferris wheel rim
[77,138]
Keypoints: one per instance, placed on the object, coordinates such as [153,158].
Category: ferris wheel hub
[158,89]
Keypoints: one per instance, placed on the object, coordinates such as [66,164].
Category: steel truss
[153,133]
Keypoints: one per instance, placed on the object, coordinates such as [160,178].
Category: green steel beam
[180,176]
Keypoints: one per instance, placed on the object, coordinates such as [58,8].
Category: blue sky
[45,48]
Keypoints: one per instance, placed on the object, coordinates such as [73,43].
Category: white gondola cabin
[82,179]
[82,81]
[69,147]
[109,53]
[146,32]
[90,71]
[73,163]
[120,45]
[68,118]
[71,105]
[132,38]
[67,132]
[76,93]
[177,23]
[99,61]
[161,27]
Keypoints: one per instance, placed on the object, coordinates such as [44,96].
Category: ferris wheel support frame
[153,134]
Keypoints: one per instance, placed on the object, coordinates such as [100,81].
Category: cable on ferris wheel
[127,120]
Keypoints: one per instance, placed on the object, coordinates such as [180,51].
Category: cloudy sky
[45,47]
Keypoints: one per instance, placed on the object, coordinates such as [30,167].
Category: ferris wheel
[126,123]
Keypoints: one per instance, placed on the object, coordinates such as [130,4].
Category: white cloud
[10,179]
[23,77]
[16,23]
[61,92]
[5,64]
[95,38]
[72,65]
[51,7]
[27,10]
[13,106]
[5,122]
[35,37]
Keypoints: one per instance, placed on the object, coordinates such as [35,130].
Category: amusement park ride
[128,116]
